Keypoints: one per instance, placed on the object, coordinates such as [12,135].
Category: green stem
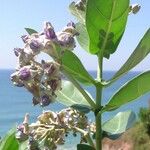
[98,119]
[77,85]
[98,104]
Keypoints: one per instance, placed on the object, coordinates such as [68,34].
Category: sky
[15,15]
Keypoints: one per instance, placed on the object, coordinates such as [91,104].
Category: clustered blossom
[43,78]
[52,128]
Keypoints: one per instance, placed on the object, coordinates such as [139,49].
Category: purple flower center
[24,74]
[34,45]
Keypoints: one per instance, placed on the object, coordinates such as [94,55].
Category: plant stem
[98,120]
[98,104]
[77,85]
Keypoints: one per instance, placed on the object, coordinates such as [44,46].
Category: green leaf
[70,95]
[119,123]
[105,23]
[9,142]
[141,51]
[82,108]
[83,38]
[73,65]
[84,147]
[130,91]
[79,14]
[30,31]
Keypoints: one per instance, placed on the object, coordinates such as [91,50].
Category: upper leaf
[73,65]
[9,141]
[69,95]
[105,23]
[130,91]
[141,51]
[119,123]
[30,31]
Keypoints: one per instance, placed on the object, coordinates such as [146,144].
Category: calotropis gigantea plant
[100,27]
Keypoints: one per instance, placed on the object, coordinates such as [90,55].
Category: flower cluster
[43,78]
[51,128]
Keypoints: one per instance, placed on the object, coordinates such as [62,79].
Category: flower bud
[71,24]
[24,73]
[49,31]
[24,38]
[45,100]
[17,51]
[135,8]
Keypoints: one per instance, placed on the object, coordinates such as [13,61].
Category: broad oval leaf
[141,51]
[84,147]
[105,23]
[130,91]
[119,123]
[73,65]
[82,38]
[9,141]
[30,31]
[69,95]
[81,108]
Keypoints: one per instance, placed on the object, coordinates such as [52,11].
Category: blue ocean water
[15,102]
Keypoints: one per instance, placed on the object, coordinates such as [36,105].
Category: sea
[15,102]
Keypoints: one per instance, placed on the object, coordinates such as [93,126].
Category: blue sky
[17,14]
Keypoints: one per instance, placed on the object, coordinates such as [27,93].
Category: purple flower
[71,24]
[67,41]
[17,51]
[45,100]
[50,33]
[24,74]
[25,38]
[34,45]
